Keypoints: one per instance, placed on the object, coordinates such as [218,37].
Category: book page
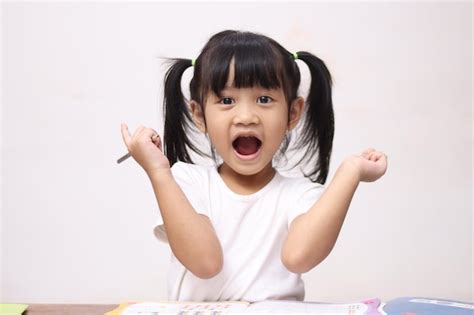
[185,308]
[307,307]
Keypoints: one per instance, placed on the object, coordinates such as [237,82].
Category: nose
[246,114]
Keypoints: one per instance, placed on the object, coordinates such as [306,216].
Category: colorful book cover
[12,309]
[427,306]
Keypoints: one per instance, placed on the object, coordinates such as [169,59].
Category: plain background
[77,228]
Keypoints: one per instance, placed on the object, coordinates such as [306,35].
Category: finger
[383,162]
[147,135]
[146,132]
[157,141]
[377,154]
[153,131]
[152,134]
[125,134]
[367,152]
[374,156]
[137,132]
[155,138]
[382,159]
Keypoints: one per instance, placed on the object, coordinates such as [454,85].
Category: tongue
[246,145]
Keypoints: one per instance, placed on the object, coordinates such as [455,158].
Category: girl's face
[247,125]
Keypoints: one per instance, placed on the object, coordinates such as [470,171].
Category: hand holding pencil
[145,147]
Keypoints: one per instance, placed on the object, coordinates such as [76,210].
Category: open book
[368,307]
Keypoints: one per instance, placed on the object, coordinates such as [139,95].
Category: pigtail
[318,129]
[178,120]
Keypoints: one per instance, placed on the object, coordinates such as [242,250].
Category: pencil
[123,158]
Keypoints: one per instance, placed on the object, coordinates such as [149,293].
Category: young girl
[240,230]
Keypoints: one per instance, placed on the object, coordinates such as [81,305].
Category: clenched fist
[145,147]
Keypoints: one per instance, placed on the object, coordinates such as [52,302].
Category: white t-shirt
[251,230]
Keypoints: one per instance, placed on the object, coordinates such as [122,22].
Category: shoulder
[299,182]
[183,166]
[190,171]
[302,194]
[299,187]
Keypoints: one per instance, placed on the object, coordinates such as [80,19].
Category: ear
[296,110]
[198,116]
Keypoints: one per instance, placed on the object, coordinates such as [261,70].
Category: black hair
[258,61]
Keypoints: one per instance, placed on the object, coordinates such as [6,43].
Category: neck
[246,184]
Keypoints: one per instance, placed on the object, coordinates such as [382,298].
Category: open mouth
[247,145]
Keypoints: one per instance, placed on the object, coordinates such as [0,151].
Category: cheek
[277,130]
[211,124]
[217,132]
[280,122]
[214,127]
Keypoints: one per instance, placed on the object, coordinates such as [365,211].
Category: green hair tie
[295,56]
[193,62]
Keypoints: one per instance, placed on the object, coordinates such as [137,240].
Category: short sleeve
[305,193]
[192,179]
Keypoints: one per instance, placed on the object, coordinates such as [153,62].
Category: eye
[226,101]
[264,99]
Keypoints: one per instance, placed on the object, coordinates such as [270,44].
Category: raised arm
[312,235]
[191,236]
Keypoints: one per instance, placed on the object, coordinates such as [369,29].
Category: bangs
[255,62]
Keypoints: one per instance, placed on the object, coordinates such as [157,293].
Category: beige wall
[76,227]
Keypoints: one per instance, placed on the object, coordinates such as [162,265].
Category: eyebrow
[269,90]
[227,88]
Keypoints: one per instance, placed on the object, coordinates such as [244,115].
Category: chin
[248,170]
